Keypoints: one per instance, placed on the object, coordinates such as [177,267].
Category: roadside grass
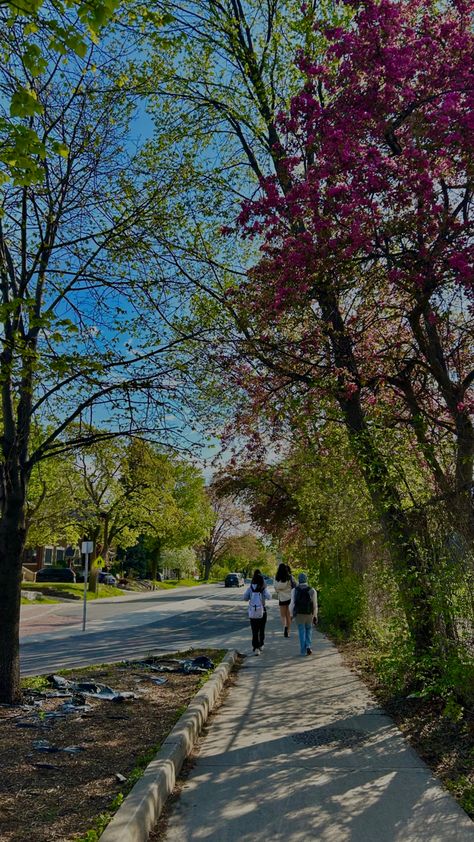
[69,590]
[178,583]
[50,592]
[35,682]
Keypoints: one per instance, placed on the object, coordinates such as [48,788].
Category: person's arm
[315,605]
[267,594]
[246,595]
[292,603]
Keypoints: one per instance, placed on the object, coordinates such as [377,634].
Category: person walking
[304,610]
[284,584]
[257,594]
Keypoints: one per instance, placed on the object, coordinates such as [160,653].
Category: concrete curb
[141,809]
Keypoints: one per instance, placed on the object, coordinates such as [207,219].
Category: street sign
[87,547]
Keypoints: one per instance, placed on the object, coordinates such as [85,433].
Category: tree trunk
[12,542]
[410,567]
[155,560]
[464,473]
[207,567]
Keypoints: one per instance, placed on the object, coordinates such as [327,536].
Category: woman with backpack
[304,610]
[257,594]
[284,584]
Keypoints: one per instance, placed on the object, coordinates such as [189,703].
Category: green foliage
[393,663]
[35,33]
[220,571]
[341,604]
[35,682]
[244,553]
[463,790]
[181,559]
[53,503]
[449,676]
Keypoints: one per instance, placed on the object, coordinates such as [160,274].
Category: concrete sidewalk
[300,751]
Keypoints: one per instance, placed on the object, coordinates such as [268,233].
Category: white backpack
[255,605]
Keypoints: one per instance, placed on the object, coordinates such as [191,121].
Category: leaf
[34,60]
[60,149]
[24,103]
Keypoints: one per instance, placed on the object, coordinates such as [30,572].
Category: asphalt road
[131,626]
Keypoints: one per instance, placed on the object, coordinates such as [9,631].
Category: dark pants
[258,631]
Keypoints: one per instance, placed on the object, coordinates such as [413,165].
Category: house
[35,558]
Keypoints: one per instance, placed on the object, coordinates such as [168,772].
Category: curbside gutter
[140,810]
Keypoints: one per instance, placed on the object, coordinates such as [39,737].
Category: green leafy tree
[84,328]
[174,512]
[51,509]
[181,559]
[246,552]
[63,29]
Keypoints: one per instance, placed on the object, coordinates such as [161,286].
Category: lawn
[178,583]
[69,590]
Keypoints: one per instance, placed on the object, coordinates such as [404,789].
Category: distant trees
[244,553]
[117,492]
[227,520]
[51,509]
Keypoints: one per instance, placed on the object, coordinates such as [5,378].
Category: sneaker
[309,651]
[285,633]
[256,652]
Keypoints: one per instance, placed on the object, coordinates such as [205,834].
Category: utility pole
[87,547]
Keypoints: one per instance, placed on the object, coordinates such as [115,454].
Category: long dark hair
[283,573]
[258,580]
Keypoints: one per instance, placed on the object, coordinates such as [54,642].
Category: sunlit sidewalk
[300,751]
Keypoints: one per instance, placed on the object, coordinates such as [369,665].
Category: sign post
[87,547]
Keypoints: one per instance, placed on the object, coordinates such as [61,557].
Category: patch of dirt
[57,796]
[445,744]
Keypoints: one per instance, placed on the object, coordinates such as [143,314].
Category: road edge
[141,809]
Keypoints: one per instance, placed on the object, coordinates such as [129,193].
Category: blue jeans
[305,631]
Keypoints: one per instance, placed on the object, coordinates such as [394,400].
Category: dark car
[55,574]
[234,580]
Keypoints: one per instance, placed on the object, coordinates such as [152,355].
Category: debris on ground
[45,745]
[83,744]
[91,688]
[188,666]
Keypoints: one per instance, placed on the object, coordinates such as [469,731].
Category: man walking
[304,610]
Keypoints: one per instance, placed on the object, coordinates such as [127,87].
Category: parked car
[107,578]
[234,580]
[55,574]
[268,580]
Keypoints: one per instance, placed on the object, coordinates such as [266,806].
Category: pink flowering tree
[366,281]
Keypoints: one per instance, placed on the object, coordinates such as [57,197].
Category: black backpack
[303,601]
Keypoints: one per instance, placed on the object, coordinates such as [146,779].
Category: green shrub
[342,604]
